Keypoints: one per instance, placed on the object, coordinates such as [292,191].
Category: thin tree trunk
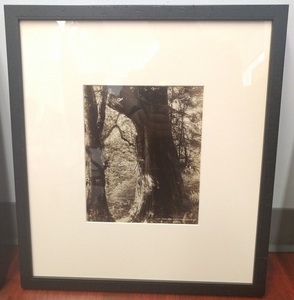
[97,207]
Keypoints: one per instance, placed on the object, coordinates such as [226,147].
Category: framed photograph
[144,142]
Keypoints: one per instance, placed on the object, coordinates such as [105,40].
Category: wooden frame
[41,226]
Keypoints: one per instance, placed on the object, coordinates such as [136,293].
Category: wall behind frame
[282,237]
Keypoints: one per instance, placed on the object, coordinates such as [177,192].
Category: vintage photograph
[142,153]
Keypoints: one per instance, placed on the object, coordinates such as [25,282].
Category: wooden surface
[280,285]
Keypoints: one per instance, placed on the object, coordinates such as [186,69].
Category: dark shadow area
[282,222]
[8,231]
[282,229]
[5,259]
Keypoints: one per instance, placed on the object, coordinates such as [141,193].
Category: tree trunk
[97,208]
[160,195]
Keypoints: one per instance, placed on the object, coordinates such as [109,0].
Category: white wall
[284,184]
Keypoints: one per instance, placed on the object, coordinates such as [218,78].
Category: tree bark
[97,208]
[160,194]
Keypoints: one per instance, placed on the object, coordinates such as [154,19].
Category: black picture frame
[276,14]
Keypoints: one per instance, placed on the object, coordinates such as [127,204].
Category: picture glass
[144,139]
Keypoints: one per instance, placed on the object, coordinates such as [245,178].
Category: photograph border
[277,14]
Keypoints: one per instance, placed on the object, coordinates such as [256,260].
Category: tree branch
[114,103]
[121,135]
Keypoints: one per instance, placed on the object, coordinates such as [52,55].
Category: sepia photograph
[142,153]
